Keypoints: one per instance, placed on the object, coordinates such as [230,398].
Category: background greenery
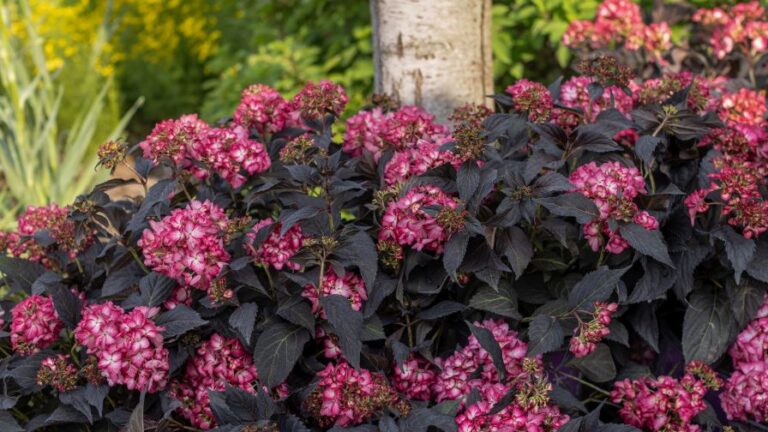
[184,56]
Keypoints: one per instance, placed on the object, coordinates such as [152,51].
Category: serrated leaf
[642,318]
[647,242]
[122,279]
[740,250]
[277,350]
[440,310]
[297,310]
[347,324]
[155,288]
[746,298]
[708,327]
[360,251]
[645,146]
[598,365]
[571,204]
[545,335]
[455,249]
[243,319]
[502,302]
[489,343]
[758,267]
[8,423]
[179,320]
[595,286]
[23,272]
[467,179]
[136,421]
[420,419]
[517,248]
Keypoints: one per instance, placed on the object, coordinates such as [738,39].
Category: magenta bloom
[35,325]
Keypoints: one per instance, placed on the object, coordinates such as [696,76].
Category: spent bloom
[128,345]
[188,244]
[35,325]
[275,249]
[588,333]
[218,362]
[316,100]
[58,372]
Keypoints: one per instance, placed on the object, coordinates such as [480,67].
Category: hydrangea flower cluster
[533,98]
[744,106]
[414,378]
[22,243]
[741,27]
[262,108]
[57,372]
[189,141]
[424,156]
[128,345]
[218,362]
[350,286]
[407,223]
[529,411]
[275,250]
[665,403]
[620,22]
[181,295]
[454,379]
[574,93]
[226,151]
[745,392]
[612,187]
[345,396]
[315,101]
[373,132]
[588,334]
[658,90]
[188,244]
[35,324]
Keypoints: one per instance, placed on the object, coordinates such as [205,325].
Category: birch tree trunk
[433,53]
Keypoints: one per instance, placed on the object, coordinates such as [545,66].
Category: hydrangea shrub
[589,256]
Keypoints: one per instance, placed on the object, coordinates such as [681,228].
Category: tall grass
[41,161]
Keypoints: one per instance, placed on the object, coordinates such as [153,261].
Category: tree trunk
[433,53]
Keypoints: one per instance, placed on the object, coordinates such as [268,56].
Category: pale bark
[433,53]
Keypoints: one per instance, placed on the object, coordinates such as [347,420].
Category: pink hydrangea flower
[128,345]
[374,132]
[275,250]
[181,295]
[226,151]
[405,223]
[574,93]
[350,286]
[412,162]
[453,380]
[21,243]
[218,362]
[414,378]
[612,187]
[170,139]
[345,396]
[58,372]
[746,393]
[660,404]
[588,334]
[35,325]
[262,108]
[188,244]
[532,98]
[744,106]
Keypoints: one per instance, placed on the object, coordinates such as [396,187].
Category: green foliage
[527,34]
[44,144]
